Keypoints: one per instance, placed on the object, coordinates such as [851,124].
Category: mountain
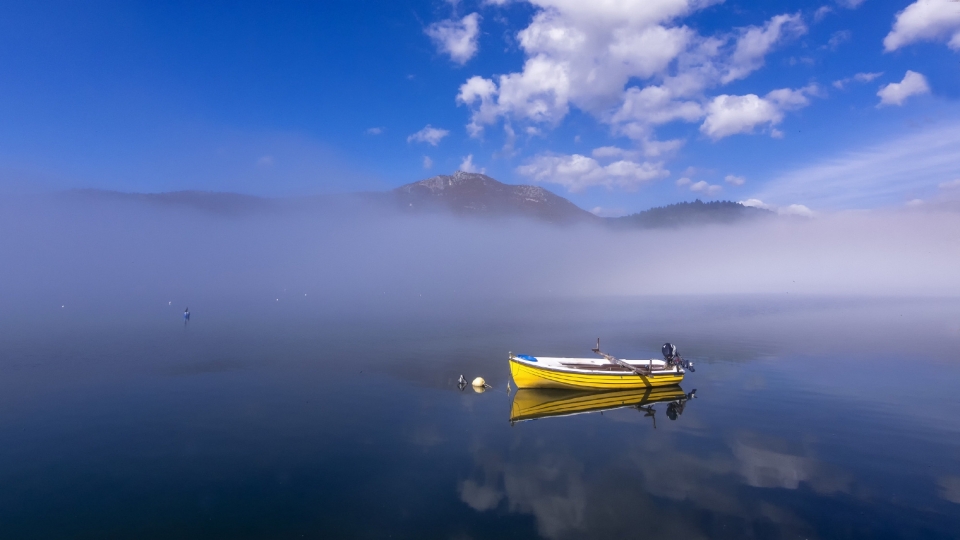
[479,195]
[461,193]
[691,213]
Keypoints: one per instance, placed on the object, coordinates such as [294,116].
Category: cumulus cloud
[576,172]
[427,162]
[588,54]
[734,180]
[429,135]
[913,84]
[456,38]
[467,165]
[788,210]
[375,130]
[926,20]
[710,190]
[729,115]
[859,77]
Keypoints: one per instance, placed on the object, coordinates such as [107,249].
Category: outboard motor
[673,358]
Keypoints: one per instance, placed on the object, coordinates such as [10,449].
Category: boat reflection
[533,403]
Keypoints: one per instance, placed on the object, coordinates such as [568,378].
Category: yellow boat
[532,403]
[572,373]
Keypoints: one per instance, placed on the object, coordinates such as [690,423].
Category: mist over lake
[314,389]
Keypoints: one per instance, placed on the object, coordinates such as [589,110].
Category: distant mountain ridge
[692,213]
[461,193]
[478,194]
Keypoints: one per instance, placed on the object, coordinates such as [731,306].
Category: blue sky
[617,105]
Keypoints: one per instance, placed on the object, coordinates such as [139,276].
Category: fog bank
[108,256]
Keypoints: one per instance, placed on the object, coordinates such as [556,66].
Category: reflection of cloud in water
[479,497]
[629,490]
[950,488]
[551,488]
[427,436]
[767,468]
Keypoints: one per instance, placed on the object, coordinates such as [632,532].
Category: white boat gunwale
[569,365]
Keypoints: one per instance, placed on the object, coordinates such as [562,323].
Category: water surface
[814,418]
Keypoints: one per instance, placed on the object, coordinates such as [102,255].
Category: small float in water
[534,403]
[608,373]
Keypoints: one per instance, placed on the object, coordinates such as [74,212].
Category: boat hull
[526,375]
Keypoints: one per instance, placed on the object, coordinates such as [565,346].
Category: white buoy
[479,382]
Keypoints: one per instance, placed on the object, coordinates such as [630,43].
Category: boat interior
[595,364]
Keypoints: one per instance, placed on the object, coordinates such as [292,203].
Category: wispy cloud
[429,135]
[885,174]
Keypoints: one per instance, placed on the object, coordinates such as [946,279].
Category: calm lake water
[813,418]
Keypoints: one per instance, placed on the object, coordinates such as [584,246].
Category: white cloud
[684,181]
[468,166]
[735,180]
[850,4]
[456,38]
[821,12]
[757,203]
[789,210]
[913,84]
[729,115]
[859,77]
[427,162]
[429,135]
[755,42]
[885,174]
[795,210]
[576,172]
[584,54]
[481,92]
[926,20]
[710,190]
[375,130]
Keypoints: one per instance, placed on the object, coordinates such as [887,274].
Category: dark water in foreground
[814,418]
